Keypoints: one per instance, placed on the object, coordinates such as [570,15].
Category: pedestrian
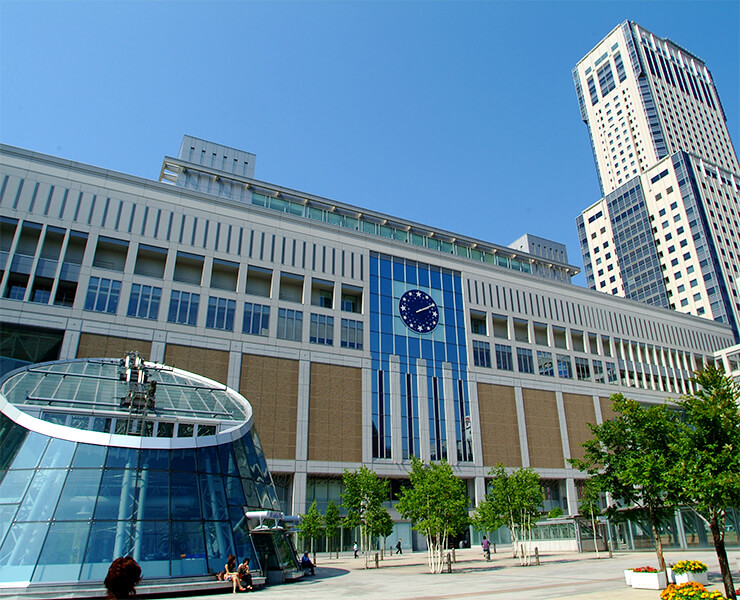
[231,574]
[123,574]
[306,563]
[398,548]
[245,575]
[486,545]
[354,547]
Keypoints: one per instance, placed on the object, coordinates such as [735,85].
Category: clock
[419,312]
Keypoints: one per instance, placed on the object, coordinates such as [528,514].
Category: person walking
[398,548]
[354,547]
[486,545]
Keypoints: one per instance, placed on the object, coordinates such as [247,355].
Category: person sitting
[306,563]
[123,574]
[245,577]
[230,574]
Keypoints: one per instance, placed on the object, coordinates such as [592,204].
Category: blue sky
[460,115]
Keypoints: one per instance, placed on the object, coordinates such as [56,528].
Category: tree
[629,457]
[512,500]
[312,526]
[380,523]
[437,506]
[707,446]
[364,494]
[332,523]
[590,506]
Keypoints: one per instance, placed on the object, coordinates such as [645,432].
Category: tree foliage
[513,500]
[362,498]
[332,523]
[437,506]
[312,526]
[628,457]
[707,456]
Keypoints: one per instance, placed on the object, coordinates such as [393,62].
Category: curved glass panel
[32,450]
[80,492]
[58,454]
[43,493]
[154,495]
[20,550]
[61,558]
[90,456]
[185,497]
[188,549]
[117,494]
[14,486]
[152,547]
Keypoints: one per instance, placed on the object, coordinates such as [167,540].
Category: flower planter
[648,581]
[691,576]
[671,575]
[628,576]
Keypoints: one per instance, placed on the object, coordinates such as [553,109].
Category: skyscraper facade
[666,230]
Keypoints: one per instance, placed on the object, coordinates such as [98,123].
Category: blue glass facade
[177,505]
[390,340]
[634,245]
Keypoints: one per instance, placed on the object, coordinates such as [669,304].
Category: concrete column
[522,424]
[475,428]
[572,494]
[304,387]
[423,400]
[300,481]
[394,381]
[448,393]
[367,411]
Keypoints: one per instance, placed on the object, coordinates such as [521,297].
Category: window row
[541,363]
[144,302]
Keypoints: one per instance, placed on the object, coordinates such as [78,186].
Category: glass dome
[101,458]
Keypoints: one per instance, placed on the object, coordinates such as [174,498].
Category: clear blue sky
[460,115]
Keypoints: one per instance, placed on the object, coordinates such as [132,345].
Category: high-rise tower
[666,230]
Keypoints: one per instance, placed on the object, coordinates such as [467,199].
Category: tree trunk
[596,544]
[719,547]
[658,542]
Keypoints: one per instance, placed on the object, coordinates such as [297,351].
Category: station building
[358,338]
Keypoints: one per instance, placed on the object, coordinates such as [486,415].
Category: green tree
[332,523]
[629,457]
[312,526]
[437,506]
[380,523]
[364,493]
[707,447]
[512,500]
[590,506]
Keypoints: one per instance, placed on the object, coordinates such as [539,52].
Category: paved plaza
[406,577]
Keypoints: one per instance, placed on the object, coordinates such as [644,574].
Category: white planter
[648,581]
[628,576]
[689,576]
[671,575]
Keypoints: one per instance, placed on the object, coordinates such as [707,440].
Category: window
[500,327]
[144,301]
[524,360]
[598,371]
[544,363]
[102,295]
[478,323]
[183,308]
[290,324]
[352,334]
[582,368]
[481,354]
[220,313]
[256,319]
[321,330]
[503,358]
[611,372]
[351,299]
[521,330]
[565,370]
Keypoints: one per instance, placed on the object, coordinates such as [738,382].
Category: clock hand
[425,308]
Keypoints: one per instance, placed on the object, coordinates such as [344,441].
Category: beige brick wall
[579,411]
[335,413]
[271,386]
[92,345]
[499,425]
[543,429]
[213,364]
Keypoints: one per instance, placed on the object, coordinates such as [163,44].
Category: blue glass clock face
[418,311]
